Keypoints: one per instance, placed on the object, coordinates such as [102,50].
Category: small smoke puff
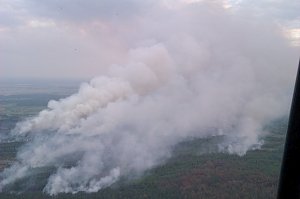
[64,178]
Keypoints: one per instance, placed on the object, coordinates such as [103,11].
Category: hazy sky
[81,39]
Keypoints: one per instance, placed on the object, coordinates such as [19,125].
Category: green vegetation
[194,171]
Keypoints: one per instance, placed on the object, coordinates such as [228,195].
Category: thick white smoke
[205,74]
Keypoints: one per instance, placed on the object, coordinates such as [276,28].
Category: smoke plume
[200,72]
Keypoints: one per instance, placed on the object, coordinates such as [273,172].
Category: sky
[82,39]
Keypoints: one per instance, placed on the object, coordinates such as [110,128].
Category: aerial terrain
[145,99]
[195,170]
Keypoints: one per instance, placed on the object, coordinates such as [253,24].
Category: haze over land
[168,72]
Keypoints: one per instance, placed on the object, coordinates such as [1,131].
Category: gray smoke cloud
[201,72]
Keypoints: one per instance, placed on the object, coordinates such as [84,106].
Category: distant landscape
[196,169]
